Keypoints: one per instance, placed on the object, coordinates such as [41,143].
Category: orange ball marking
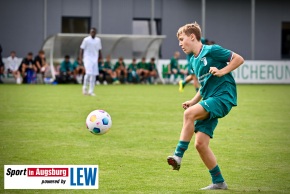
[93,118]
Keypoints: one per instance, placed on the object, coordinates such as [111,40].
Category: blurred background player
[173,67]
[65,71]
[40,63]
[108,70]
[102,77]
[12,66]
[121,70]
[90,53]
[153,74]
[133,77]
[78,70]
[142,70]
[28,69]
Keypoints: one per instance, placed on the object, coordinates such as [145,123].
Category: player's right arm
[100,55]
[193,101]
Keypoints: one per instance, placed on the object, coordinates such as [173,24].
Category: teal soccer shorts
[217,107]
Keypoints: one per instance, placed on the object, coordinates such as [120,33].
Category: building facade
[256,29]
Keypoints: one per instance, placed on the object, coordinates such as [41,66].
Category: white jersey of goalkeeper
[91,47]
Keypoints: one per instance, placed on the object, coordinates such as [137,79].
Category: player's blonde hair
[188,29]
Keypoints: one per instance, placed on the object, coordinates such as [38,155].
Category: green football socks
[181,148]
[216,175]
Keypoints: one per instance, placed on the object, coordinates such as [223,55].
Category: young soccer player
[218,95]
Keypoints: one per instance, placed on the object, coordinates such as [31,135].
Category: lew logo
[51,177]
[83,176]
[203,59]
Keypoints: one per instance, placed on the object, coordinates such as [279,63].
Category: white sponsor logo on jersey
[203,59]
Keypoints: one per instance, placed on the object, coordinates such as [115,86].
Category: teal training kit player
[174,63]
[132,67]
[218,93]
[107,65]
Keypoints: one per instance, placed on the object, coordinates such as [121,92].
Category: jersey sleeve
[221,54]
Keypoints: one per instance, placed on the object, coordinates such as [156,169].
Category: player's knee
[189,114]
[200,146]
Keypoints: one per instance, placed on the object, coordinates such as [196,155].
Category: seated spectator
[65,71]
[1,66]
[133,77]
[121,70]
[12,66]
[40,63]
[152,75]
[173,67]
[143,71]
[106,70]
[28,69]
[78,70]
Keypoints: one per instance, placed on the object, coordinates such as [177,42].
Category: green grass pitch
[45,124]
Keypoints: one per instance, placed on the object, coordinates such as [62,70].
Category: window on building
[143,26]
[75,24]
[285,40]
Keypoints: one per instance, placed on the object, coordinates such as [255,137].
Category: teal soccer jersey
[189,68]
[188,57]
[218,93]
[211,86]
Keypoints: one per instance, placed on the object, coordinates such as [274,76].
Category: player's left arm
[235,62]
[193,101]
[100,55]
[81,55]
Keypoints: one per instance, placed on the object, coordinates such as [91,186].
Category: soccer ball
[98,122]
